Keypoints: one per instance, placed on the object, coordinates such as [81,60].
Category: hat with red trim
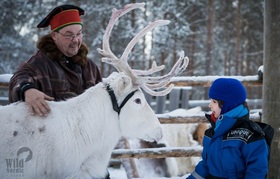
[62,16]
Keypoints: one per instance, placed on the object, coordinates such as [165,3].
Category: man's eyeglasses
[72,36]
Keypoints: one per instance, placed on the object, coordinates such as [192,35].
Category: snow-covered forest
[219,37]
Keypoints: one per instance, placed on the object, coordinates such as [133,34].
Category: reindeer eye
[138,100]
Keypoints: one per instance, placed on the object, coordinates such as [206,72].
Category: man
[60,69]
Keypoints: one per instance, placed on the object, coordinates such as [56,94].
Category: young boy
[234,146]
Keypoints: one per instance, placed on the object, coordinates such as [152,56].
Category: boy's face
[214,106]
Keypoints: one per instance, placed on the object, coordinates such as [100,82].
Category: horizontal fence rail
[162,152]
[4,80]
[206,81]
[177,81]
[193,118]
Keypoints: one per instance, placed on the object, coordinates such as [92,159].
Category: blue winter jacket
[235,149]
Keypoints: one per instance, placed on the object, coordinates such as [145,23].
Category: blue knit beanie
[228,90]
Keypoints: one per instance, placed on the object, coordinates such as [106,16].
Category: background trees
[219,37]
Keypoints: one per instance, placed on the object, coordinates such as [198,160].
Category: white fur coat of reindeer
[76,139]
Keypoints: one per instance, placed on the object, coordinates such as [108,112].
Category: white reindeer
[77,137]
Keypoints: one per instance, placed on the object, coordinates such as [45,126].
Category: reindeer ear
[124,83]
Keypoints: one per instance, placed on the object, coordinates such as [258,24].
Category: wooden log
[192,118]
[4,80]
[162,152]
[128,163]
[165,119]
[206,81]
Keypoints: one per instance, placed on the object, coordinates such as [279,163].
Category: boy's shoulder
[258,130]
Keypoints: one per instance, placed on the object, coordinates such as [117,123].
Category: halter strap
[116,107]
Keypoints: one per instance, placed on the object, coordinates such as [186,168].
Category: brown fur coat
[53,73]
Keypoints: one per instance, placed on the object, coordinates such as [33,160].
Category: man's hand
[36,101]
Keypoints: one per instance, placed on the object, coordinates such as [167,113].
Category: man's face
[69,39]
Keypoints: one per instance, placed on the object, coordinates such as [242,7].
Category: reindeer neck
[97,116]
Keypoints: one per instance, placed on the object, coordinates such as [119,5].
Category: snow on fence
[162,152]
[193,118]
[182,82]
[4,83]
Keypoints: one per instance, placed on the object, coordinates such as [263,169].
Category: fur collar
[47,45]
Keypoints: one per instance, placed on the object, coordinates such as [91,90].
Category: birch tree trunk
[209,41]
[238,65]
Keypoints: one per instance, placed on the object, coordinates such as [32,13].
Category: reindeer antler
[140,77]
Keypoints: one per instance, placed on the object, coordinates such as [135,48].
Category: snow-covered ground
[121,174]
[117,173]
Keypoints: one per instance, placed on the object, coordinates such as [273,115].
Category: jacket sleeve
[19,80]
[256,158]
[201,170]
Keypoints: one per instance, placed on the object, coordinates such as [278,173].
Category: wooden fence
[181,82]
